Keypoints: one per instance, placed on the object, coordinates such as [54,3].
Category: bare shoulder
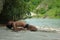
[20,22]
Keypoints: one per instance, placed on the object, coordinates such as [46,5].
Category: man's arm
[14,26]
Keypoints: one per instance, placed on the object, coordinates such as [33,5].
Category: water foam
[48,29]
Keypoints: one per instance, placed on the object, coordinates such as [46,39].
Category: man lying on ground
[14,25]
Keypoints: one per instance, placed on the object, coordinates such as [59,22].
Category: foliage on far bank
[46,8]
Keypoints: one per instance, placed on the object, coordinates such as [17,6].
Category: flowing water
[45,24]
[49,29]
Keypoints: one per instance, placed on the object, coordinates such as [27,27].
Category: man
[14,25]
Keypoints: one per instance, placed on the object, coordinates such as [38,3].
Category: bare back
[20,23]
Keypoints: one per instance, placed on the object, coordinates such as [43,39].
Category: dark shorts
[26,26]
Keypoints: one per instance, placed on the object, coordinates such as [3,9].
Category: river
[45,24]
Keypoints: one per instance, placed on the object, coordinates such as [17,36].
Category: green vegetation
[33,4]
[14,10]
[46,8]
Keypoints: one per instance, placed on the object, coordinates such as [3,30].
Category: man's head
[9,25]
